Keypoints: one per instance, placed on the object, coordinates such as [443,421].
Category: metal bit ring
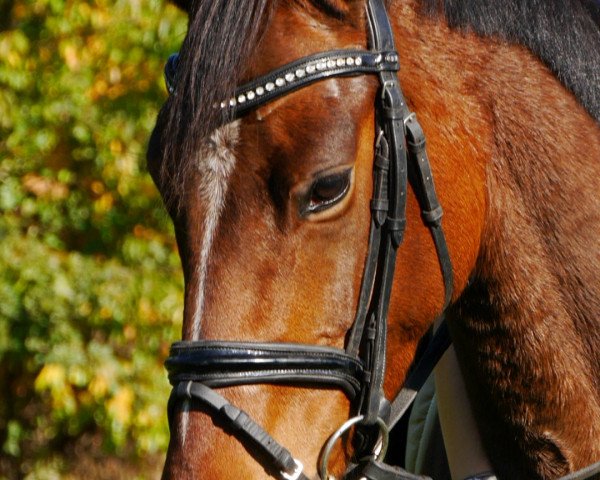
[379,450]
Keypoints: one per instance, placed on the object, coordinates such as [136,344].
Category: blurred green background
[90,282]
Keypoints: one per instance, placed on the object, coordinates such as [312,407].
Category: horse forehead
[217,154]
[313,32]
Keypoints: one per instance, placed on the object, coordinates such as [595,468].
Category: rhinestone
[300,72]
[260,90]
[358,61]
[270,86]
[349,61]
[391,57]
[280,82]
[242,98]
[378,58]
[321,66]
[289,77]
[330,63]
[340,62]
[310,69]
[223,104]
[250,95]
[232,102]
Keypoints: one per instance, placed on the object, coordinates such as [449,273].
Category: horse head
[273,212]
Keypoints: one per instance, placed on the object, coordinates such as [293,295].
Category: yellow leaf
[71,57]
[105,313]
[120,406]
[52,376]
[77,376]
[104,204]
[98,386]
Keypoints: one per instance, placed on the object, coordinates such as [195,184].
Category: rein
[197,367]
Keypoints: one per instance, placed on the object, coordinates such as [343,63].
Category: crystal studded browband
[295,75]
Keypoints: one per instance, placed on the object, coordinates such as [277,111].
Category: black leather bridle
[197,367]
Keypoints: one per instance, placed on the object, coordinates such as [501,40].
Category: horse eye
[327,191]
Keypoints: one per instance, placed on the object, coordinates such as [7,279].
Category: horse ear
[183,4]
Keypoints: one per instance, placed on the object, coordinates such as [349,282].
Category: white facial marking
[215,163]
[185,417]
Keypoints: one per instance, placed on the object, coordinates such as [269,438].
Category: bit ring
[379,450]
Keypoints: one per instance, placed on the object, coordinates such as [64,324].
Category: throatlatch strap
[431,209]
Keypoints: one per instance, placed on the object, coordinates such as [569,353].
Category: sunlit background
[90,283]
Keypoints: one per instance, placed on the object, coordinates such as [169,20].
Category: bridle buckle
[295,475]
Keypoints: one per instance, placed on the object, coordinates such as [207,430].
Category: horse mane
[221,38]
[563,34]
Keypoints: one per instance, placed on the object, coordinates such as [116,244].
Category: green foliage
[90,283]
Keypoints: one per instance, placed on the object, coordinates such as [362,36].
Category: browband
[295,75]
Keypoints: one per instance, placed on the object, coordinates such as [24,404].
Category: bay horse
[272,219]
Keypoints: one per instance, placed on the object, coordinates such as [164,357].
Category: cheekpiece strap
[392,110]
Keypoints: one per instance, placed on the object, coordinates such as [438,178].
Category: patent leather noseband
[218,364]
[197,367]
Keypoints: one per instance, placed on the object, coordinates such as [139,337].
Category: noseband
[197,367]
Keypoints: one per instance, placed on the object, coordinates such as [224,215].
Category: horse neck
[526,331]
